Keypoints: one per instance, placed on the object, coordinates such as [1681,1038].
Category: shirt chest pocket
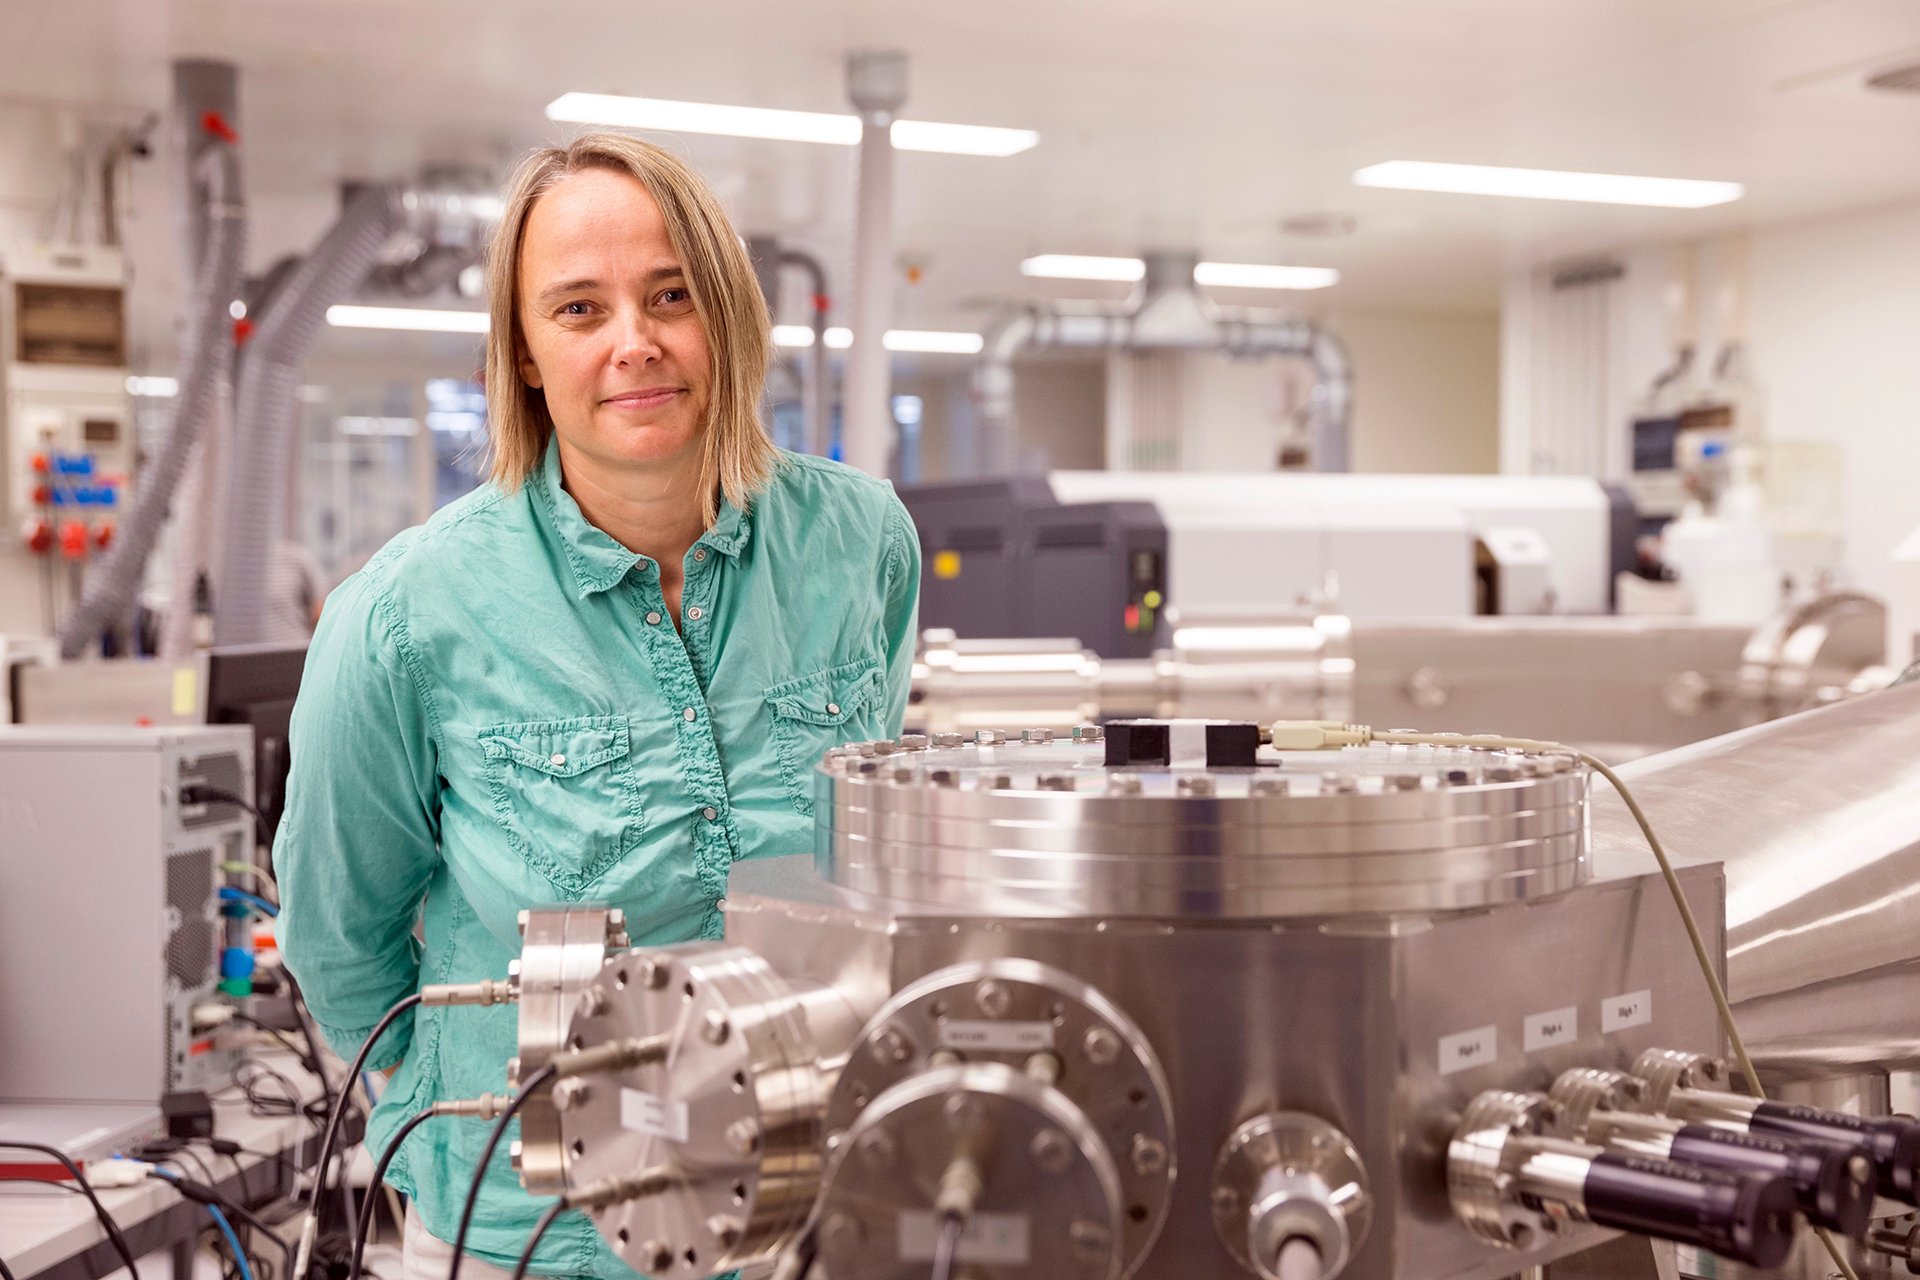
[566,794]
[814,712]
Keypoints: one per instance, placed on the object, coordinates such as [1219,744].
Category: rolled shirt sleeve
[358,843]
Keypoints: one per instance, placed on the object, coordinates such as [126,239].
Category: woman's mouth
[642,398]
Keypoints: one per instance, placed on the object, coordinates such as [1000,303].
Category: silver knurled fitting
[487,1106]
[631,1186]
[485,991]
[615,1055]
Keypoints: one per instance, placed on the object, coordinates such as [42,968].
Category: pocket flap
[830,697]
[562,748]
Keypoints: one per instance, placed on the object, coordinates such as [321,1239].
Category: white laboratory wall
[1833,324]
[1835,329]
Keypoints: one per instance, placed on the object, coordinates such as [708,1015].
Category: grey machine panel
[109,915]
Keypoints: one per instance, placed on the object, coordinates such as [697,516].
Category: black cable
[201,793]
[305,1055]
[202,1193]
[373,1188]
[554,1210]
[107,1223]
[540,1077]
[340,1104]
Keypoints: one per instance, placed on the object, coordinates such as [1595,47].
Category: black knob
[1893,1144]
[1746,1217]
[1833,1184]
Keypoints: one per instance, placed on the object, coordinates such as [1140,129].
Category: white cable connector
[117,1172]
[1316,735]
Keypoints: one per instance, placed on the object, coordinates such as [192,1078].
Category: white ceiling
[1201,124]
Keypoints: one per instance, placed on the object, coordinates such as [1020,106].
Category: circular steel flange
[1481,1161]
[1052,1026]
[1289,1174]
[1665,1070]
[561,951]
[733,1113]
[1050,1201]
[1578,1093]
[1045,828]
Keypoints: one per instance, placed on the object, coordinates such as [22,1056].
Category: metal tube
[813,382]
[877,84]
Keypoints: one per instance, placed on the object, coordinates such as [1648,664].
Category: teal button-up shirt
[498,713]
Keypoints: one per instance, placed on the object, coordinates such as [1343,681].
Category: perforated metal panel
[190,941]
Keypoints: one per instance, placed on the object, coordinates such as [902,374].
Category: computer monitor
[255,684]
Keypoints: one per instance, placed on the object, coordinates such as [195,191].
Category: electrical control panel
[70,446]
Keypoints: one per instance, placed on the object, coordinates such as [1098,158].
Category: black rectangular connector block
[189,1114]
[1137,743]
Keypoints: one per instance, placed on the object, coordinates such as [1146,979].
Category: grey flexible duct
[265,415]
[114,586]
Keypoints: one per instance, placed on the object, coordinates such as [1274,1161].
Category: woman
[605,675]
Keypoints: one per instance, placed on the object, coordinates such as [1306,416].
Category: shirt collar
[597,561]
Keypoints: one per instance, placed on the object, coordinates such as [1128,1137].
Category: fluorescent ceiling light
[419,318]
[927,340]
[782,126]
[1236,275]
[1548,184]
[377,426]
[1070,266]
[157,387]
[1254,275]
[958,344]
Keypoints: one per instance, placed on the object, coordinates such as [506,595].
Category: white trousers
[425,1256]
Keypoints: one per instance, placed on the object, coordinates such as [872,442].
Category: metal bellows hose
[265,410]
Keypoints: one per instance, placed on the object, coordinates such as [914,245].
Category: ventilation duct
[1169,314]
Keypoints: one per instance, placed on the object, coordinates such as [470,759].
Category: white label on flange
[1617,1013]
[660,1117]
[992,1239]
[1545,1030]
[995,1037]
[1465,1049]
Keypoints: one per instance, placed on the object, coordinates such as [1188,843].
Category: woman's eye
[574,309]
[675,297]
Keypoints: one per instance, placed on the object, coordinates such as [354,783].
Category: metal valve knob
[1290,1197]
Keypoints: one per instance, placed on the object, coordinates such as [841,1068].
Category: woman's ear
[529,371]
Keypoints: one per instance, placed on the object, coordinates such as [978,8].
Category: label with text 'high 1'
[1466,1049]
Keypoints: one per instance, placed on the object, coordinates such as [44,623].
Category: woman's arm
[901,583]
[359,840]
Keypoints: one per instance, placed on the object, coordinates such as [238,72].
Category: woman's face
[611,334]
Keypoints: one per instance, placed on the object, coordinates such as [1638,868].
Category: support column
[877,84]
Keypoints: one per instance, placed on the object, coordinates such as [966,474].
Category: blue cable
[220,1220]
[226,1228]
[230,894]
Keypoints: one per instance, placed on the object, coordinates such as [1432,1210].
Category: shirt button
[653,619]
[557,760]
[690,714]
[694,613]
[709,813]
[700,554]
[833,708]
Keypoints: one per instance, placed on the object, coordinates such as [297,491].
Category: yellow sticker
[1151,599]
[185,691]
[946,564]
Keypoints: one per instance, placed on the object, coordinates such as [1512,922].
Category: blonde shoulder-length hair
[737,455]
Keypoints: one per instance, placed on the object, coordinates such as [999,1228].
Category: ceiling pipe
[877,85]
[205,98]
[1169,314]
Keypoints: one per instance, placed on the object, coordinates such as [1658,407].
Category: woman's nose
[634,340]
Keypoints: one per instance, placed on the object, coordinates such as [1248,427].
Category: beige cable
[1287,733]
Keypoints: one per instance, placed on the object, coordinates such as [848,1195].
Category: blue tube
[226,1228]
[230,894]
